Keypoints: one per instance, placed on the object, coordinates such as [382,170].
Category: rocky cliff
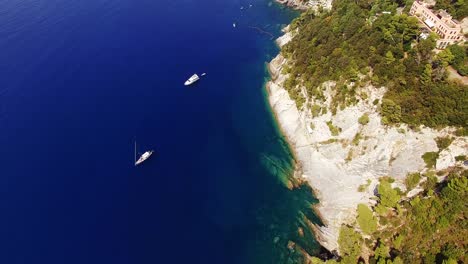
[337,164]
[307,4]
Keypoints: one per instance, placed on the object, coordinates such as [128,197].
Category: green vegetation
[364,119]
[444,142]
[391,112]
[363,187]
[457,8]
[329,141]
[429,228]
[460,60]
[388,196]
[462,132]
[430,158]
[331,46]
[350,243]
[412,180]
[366,220]
[356,139]
[460,158]
[316,110]
[335,131]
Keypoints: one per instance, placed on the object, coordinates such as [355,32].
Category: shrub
[430,158]
[462,132]
[356,139]
[335,131]
[316,110]
[364,119]
[366,219]
[349,157]
[460,158]
[412,180]
[444,142]
[329,141]
[362,188]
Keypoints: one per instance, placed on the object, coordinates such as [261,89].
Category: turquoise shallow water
[81,80]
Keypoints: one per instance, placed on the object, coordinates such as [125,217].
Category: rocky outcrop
[307,4]
[336,166]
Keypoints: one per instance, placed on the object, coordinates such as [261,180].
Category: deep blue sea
[81,80]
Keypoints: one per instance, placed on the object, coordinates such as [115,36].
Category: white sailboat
[143,157]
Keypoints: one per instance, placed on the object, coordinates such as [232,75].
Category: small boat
[234,25]
[203,74]
[192,79]
[143,157]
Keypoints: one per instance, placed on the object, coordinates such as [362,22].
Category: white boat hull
[192,80]
[144,157]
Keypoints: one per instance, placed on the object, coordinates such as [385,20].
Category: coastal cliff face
[337,164]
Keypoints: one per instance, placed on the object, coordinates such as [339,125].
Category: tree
[426,76]
[398,260]
[459,185]
[459,61]
[397,242]
[459,54]
[442,60]
[366,220]
[389,58]
[389,197]
[382,251]
[391,111]
[350,244]
[449,261]
[445,57]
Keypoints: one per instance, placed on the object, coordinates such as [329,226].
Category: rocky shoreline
[307,4]
[336,166]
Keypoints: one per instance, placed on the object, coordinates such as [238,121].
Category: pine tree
[426,76]
[366,219]
[389,58]
[389,197]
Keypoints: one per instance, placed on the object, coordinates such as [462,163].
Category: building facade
[439,22]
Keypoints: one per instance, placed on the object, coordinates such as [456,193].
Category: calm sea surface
[81,80]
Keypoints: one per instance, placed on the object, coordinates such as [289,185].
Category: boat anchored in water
[192,79]
[143,157]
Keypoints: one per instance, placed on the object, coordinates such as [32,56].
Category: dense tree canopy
[357,39]
[458,8]
[429,228]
